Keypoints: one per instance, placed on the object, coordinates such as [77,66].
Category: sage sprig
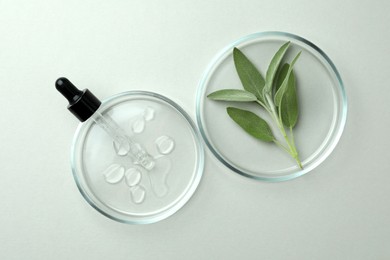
[277,94]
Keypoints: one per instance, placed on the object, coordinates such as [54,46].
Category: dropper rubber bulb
[68,90]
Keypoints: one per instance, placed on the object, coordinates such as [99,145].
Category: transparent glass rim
[342,117]
[180,202]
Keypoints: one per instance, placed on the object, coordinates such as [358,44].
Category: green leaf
[281,76]
[273,66]
[282,89]
[289,105]
[251,123]
[250,77]
[232,95]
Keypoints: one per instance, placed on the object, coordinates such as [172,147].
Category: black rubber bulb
[68,90]
[82,103]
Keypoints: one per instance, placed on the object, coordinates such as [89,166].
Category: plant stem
[295,149]
[281,146]
[264,106]
[276,117]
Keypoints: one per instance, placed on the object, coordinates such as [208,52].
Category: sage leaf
[282,89]
[273,66]
[289,105]
[250,77]
[251,123]
[232,95]
[281,76]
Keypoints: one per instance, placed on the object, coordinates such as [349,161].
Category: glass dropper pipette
[85,106]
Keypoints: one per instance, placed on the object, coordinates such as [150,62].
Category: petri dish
[322,109]
[123,190]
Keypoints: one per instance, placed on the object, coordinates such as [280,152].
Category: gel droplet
[158,176]
[165,144]
[133,177]
[138,125]
[149,114]
[138,194]
[114,173]
[122,148]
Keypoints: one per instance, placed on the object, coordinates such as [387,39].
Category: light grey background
[340,210]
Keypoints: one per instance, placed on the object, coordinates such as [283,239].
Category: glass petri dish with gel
[322,109]
[137,158]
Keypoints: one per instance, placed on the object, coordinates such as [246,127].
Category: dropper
[84,105]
